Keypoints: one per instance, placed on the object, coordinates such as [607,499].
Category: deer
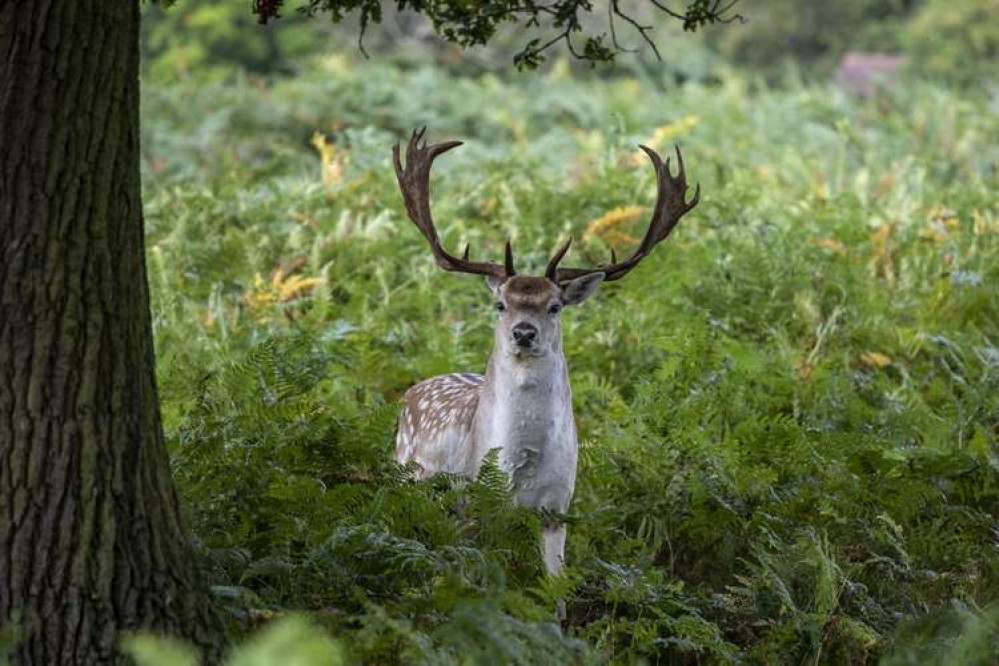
[522,405]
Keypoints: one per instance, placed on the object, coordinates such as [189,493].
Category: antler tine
[551,272]
[414,183]
[670,207]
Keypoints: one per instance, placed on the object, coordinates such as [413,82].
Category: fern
[787,415]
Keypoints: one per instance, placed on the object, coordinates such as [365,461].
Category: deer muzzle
[525,334]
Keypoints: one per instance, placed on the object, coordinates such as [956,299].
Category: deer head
[529,307]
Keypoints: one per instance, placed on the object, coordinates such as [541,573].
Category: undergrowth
[787,415]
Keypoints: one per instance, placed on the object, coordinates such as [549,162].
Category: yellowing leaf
[287,288]
[672,130]
[606,225]
[982,225]
[941,223]
[260,296]
[295,286]
[661,136]
[935,232]
[821,189]
[331,161]
[875,359]
[830,244]
[265,295]
[335,64]
[884,260]
[948,218]
[490,204]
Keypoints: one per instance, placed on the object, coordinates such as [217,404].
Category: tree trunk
[91,539]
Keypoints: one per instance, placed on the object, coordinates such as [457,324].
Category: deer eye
[555,309]
[500,306]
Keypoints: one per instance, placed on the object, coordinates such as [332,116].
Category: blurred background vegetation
[788,417]
[950,41]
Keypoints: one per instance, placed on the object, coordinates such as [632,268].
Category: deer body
[532,426]
[523,404]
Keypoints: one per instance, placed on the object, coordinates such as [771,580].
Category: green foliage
[212,40]
[149,650]
[954,42]
[471,24]
[957,40]
[290,641]
[787,414]
[956,635]
[811,35]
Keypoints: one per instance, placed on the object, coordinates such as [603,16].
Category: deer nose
[524,334]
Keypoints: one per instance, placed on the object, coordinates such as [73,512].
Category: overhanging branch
[475,23]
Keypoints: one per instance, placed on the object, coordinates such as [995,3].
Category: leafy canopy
[475,23]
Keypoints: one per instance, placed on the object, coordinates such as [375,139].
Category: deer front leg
[553,548]
[553,552]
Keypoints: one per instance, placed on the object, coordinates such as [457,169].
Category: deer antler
[670,207]
[414,181]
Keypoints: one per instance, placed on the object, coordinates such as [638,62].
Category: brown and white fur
[522,405]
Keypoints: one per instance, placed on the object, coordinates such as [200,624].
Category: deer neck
[525,410]
[543,380]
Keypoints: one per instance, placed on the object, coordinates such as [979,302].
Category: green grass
[788,414]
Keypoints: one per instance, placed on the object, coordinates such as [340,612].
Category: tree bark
[91,538]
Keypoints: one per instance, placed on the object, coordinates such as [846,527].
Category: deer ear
[578,290]
[494,283]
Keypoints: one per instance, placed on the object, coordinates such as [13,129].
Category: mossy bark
[91,538]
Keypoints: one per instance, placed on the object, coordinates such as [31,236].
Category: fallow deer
[522,405]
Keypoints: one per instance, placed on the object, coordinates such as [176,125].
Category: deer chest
[536,438]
